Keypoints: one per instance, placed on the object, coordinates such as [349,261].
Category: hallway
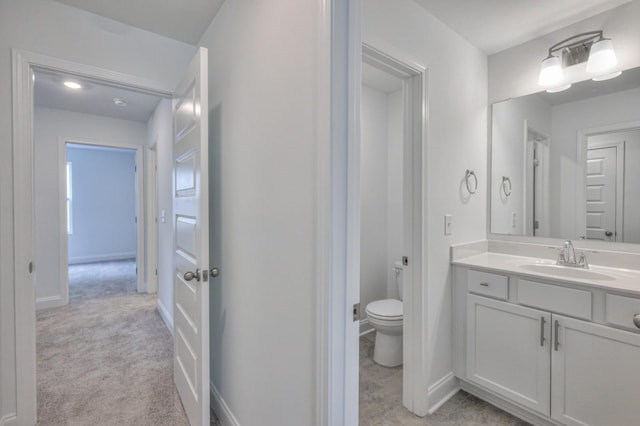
[106,358]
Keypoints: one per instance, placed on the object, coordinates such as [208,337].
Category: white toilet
[385,316]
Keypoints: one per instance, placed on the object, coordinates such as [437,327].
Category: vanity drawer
[488,284]
[563,300]
[620,310]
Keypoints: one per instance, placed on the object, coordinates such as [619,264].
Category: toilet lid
[387,308]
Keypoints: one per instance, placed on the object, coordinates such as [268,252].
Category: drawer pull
[542,339]
[484,284]
[556,341]
[636,320]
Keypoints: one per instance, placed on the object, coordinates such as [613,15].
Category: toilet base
[387,350]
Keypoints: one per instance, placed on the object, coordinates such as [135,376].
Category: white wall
[103,205]
[373,187]
[567,120]
[455,141]
[514,72]
[508,154]
[54,29]
[263,121]
[49,126]
[159,132]
[395,201]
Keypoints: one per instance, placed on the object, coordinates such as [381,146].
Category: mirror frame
[581,193]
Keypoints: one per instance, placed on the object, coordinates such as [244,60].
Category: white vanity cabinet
[508,350]
[595,374]
[547,351]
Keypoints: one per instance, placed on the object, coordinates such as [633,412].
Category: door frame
[151,217]
[414,94]
[140,211]
[581,169]
[23,65]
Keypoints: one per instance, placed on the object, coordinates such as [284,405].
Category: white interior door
[601,193]
[191,241]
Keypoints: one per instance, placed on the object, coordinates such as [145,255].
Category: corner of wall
[221,408]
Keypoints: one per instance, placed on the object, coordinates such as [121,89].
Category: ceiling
[496,25]
[183,20]
[94,98]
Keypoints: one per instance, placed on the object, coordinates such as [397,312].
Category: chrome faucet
[567,256]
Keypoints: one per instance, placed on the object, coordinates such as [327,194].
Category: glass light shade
[602,57]
[559,88]
[550,72]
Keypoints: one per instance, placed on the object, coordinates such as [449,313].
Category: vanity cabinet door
[508,351]
[595,374]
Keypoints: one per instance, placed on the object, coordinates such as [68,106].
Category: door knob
[608,233]
[188,276]
[214,272]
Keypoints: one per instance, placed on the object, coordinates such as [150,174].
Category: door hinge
[536,224]
[30,267]
[156,271]
[135,169]
[135,219]
[405,260]
[136,270]
[356,311]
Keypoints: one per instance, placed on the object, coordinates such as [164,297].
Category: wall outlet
[448,224]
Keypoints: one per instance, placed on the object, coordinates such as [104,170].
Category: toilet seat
[386,309]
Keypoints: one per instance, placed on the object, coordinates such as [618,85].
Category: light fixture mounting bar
[583,38]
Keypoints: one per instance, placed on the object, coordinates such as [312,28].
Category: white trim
[365,327]
[166,317]
[221,408]
[442,391]
[101,257]
[23,63]
[8,420]
[49,302]
[337,95]
[414,77]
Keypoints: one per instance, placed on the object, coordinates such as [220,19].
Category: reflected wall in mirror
[567,164]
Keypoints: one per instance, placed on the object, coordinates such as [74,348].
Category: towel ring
[468,174]
[506,185]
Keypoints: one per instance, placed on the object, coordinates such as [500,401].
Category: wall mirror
[567,164]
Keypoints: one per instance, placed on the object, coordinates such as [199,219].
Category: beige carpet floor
[107,357]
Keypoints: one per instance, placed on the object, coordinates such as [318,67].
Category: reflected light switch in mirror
[448,224]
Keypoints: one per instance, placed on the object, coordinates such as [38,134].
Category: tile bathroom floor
[381,400]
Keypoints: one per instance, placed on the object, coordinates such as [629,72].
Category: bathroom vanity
[551,344]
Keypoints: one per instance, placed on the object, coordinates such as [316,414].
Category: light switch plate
[448,224]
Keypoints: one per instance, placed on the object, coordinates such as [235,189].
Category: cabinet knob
[636,320]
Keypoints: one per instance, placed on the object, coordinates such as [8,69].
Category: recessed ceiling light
[72,85]
[120,102]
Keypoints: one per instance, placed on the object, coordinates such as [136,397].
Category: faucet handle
[583,260]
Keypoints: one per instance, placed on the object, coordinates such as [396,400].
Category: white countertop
[618,279]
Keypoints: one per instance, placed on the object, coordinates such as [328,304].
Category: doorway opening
[536,183]
[392,120]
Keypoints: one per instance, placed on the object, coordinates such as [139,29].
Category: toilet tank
[398,268]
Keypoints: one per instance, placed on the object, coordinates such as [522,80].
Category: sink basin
[567,272]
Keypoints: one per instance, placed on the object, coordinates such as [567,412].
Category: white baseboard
[49,302]
[221,408]
[164,314]
[442,390]
[101,257]
[8,420]
[365,327]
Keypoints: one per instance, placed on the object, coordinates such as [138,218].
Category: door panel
[508,351]
[595,374]
[191,241]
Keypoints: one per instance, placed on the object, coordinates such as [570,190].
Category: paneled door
[601,193]
[191,241]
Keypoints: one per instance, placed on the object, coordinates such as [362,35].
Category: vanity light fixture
[590,47]
[72,85]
